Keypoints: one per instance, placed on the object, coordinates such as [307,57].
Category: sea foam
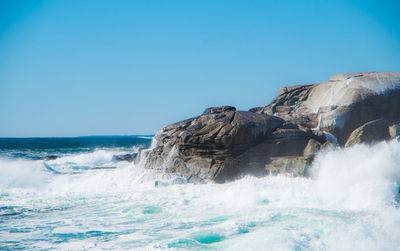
[360,177]
[348,203]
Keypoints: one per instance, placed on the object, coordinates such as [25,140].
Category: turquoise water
[348,204]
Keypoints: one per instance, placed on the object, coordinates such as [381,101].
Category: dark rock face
[288,105]
[222,133]
[130,157]
[371,132]
[223,144]
[51,157]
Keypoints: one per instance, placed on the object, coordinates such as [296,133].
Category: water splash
[347,204]
[361,177]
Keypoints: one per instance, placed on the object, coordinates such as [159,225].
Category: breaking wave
[348,203]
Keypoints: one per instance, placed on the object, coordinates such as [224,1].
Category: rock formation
[371,132]
[340,105]
[394,130]
[129,157]
[223,143]
[283,137]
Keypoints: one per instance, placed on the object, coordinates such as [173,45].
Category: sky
[93,67]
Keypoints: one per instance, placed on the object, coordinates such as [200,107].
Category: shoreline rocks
[371,132]
[223,144]
[129,157]
[340,105]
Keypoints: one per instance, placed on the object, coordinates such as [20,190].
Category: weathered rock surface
[129,157]
[394,130]
[223,144]
[340,105]
[371,132]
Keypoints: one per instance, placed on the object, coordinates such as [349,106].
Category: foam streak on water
[348,204]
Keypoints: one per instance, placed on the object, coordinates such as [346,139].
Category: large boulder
[223,144]
[371,132]
[340,105]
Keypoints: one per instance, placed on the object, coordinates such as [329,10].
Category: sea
[73,194]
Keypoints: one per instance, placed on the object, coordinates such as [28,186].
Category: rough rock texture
[394,130]
[130,157]
[371,132]
[283,137]
[223,144]
[340,105]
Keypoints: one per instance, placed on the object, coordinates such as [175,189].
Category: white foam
[21,174]
[361,177]
[347,204]
[98,157]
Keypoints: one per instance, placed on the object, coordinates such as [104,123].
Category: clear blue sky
[93,67]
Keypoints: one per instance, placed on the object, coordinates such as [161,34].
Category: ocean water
[90,201]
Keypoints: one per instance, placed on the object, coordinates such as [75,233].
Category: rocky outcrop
[129,157]
[394,130]
[283,137]
[371,132]
[340,105]
[223,144]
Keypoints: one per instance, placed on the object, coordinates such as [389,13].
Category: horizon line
[85,136]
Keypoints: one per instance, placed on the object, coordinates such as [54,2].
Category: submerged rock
[51,157]
[130,157]
[176,181]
